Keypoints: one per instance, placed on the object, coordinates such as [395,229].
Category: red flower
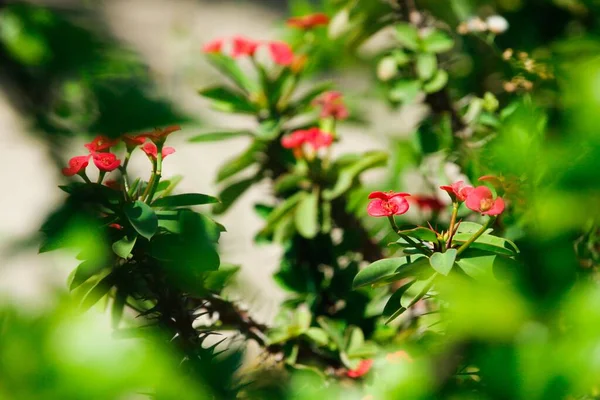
[160,135]
[428,203]
[243,47]
[458,191]
[332,105]
[101,143]
[281,53]
[116,226]
[387,204]
[133,141]
[152,152]
[313,137]
[106,161]
[481,200]
[363,367]
[308,21]
[76,165]
[213,47]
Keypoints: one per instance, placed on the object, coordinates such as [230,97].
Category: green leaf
[227,100]
[349,174]
[417,291]
[118,306]
[239,163]
[302,319]
[304,101]
[123,246]
[99,290]
[280,211]
[426,66]
[354,339]
[142,218]
[218,136]
[317,335]
[437,83]
[389,268]
[229,68]
[83,272]
[470,227]
[420,233]
[307,215]
[487,242]
[482,265]
[443,262]
[231,193]
[334,329]
[437,42]
[405,90]
[217,280]
[393,308]
[407,35]
[184,200]
[269,129]
[288,181]
[367,350]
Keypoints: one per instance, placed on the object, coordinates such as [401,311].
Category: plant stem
[452,222]
[475,236]
[418,245]
[157,176]
[101,176]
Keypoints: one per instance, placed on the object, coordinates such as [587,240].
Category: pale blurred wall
[168,35]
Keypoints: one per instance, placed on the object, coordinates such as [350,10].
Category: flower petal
[400,202]
[378,195]
[376,209]
[497,208]
[475,196]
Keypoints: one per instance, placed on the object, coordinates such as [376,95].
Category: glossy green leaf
[124,246]
[407,35]
[405,91]
[217,280]
[228,100]
[393,308]
[118,307]
[350,173]
[353,339]
[488,242]
[142,218]
[420,233]
[287,206]
[239,163]
[97,291]
[231,193]
[307,215]
[437,42]
[231,70]
[269,129]
[288,182]
[437,83]
[83,272]
[470,227]
[426,66]
[317,335]
[417,291]
[184,200]
[389,268]
[443,262]
[218,136]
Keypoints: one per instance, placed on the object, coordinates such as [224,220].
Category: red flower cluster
[281,52]
[387,204]
[478,199]
[314,138]
[332,105]
[308,21]
[98,149]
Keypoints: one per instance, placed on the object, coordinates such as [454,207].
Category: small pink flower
[387,204]
[362,369]
[458,190]
[332,105]
[213,47]
[281,53]
[100,143]
[106,161]
[313,137]
[308,21]
[294,139]
[482,200]
[243,47]
[152,152]
[76,165]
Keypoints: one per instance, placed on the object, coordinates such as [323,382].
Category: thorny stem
[452,223]
[473,238]
[124,173]
[157,175]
